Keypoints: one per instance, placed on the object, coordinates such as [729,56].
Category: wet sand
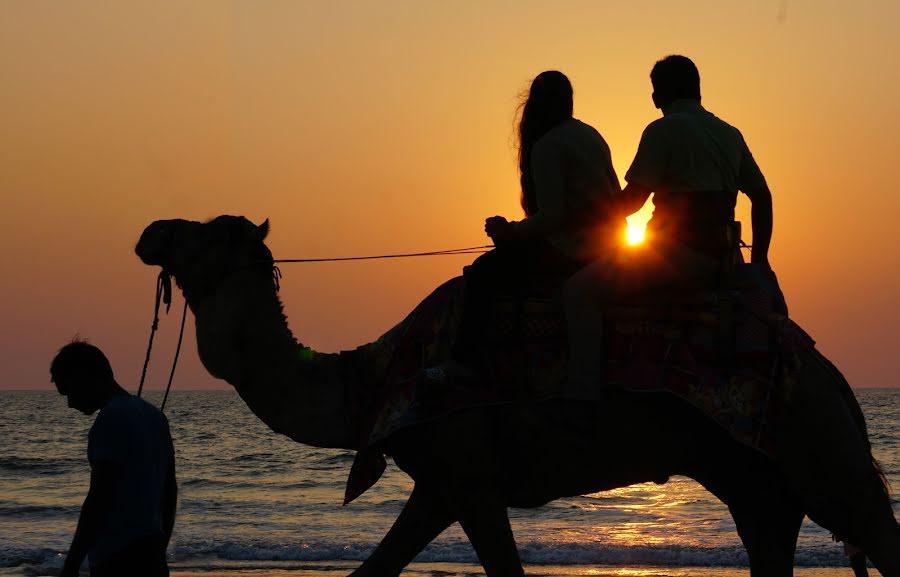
[336,569]
[220,568]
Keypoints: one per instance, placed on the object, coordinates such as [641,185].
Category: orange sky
[373,127]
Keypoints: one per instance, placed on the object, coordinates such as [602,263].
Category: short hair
[675,77]
[82,360]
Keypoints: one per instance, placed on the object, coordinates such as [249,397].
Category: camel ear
[263,229]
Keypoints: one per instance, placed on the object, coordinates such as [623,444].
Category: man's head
[82,373]
[673,78]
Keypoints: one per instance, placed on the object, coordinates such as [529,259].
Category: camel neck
[243,338]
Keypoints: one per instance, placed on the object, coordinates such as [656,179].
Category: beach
[338,569]
[465,570]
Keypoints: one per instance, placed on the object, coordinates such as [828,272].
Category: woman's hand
[499,229]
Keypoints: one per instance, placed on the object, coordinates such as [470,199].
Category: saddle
[741,296]
[672,346]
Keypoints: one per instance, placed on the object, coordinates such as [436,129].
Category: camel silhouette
[470,465]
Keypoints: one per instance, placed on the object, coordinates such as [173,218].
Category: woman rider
[568,192]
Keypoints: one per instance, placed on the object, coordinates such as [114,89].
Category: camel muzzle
[155,245]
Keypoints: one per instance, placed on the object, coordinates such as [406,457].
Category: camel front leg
[486,523]
[465,468]
[424,517]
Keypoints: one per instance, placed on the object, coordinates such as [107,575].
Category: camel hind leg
[768,525]
[767,513]
[869,523]
[825,456]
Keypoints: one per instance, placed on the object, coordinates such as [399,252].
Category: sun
[637,224]
[634,233]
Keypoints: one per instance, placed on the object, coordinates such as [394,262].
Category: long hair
[547,103]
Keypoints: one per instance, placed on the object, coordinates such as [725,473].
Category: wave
[205,483]
[450,552]
[193,550]
[531,553]
[40,466]
[16,510]
[31,557]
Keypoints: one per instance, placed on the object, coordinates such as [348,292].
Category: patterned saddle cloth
[732,355]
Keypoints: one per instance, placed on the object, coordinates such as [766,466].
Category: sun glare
[634,234]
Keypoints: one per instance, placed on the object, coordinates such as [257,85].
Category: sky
[378,127]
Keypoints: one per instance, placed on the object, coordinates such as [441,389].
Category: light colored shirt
[133,436]
[690,149]
[573,176]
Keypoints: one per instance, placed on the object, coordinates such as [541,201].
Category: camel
[471,465]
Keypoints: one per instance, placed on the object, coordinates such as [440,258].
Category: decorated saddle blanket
[732,355]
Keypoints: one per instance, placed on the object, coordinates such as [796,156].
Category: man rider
[694,163]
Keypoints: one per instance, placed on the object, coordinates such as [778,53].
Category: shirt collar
[684,105]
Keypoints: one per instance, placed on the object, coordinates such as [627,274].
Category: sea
[254,503]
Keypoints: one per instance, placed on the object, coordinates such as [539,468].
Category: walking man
[127,517]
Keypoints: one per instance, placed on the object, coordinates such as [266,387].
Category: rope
[449,252]
[164,294]
[453,251]
[162,407]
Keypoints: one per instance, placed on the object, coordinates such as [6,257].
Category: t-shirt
[573,176]
[132,435]
[691,150]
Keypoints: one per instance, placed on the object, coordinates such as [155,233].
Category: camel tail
[843,387]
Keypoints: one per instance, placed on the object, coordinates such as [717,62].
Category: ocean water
[255,503]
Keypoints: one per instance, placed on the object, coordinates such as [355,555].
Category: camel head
[201,255]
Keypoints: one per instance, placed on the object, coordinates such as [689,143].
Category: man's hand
[69,570]
[499,229]
[633,197]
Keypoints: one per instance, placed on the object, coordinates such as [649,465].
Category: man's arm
[170,501]
[634,196]
[752,183]
[647,170]
[761,221]
[93,510]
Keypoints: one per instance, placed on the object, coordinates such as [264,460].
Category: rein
[164,295]
[452,251]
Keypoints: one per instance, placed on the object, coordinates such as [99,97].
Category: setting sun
[634,233]
[636,224]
